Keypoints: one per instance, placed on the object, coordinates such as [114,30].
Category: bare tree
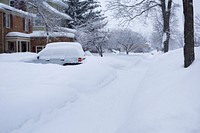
[93,35]
[197,22]
[51,17]
[176,39]
[126,39]
[189,55]
[128,10]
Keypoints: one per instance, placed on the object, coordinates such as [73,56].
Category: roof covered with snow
[15,11]
[59,2]
[40,34]
[64,29]
[53,10]
[51,34]
[17,34]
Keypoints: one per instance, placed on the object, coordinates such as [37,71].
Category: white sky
[139,26]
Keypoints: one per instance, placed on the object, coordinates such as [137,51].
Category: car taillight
[80,59]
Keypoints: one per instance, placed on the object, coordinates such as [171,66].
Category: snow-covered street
[114,94]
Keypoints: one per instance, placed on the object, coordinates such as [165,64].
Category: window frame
[13,4]
[39,48]
[8,21]
[26,24]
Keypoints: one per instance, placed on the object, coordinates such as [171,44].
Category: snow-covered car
[63,53]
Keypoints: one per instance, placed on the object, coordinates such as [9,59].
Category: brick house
[14,20]
[39,39]
[16,31]
[63,34]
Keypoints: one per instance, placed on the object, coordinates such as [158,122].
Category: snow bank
[89,81]
[115,94]
[167,100]
[17,57]
[30,90]
[32,94]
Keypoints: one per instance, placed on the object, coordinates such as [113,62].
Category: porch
[17,43]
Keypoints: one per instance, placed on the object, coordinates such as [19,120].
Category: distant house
[16,30]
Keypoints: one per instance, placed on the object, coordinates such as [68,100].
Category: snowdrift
[139,93]
[168,98]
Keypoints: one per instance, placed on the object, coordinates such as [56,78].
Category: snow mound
[18,57]
[25,96]
[167,100]
[97,78]
[88,53]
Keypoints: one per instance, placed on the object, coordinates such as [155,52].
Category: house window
[38,21]
[39,48]
[7,20]
[59,9]
[12,3]
[26,24]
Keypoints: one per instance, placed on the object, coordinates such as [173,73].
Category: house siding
[17,26]
[4,2]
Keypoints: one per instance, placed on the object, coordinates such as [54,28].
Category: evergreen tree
[82,11]
[90,24]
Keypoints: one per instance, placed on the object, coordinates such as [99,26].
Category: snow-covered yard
[139,93]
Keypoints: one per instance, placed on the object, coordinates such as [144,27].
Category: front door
[11,47]
[24,46]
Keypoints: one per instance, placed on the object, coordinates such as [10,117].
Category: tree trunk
[99,50]
[166,23]
[47,32]
[189,55]
[127,52]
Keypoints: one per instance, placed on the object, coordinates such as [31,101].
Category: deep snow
[142,93]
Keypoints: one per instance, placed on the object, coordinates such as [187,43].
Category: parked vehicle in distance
[64,53]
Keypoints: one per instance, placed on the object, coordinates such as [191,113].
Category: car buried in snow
[63,53]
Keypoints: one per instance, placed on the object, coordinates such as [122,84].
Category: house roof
[53,10]
[51,34]
[59,2]
[40,34]
[15,11]
[18,34]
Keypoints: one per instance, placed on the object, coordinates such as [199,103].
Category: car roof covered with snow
[62,50]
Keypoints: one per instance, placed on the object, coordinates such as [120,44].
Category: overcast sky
[140,27]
